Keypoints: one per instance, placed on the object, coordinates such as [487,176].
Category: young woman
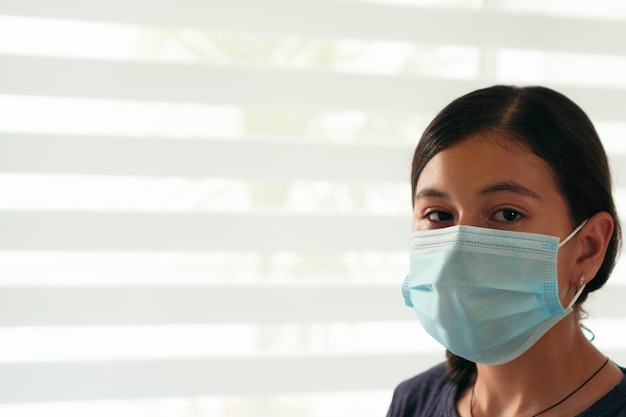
[514,225]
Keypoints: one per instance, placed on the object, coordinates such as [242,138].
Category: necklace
[553,405]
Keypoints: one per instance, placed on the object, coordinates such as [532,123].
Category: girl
[514,225]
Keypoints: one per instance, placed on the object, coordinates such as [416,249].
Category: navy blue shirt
[431,394]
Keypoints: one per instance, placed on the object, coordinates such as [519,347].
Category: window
[205,207]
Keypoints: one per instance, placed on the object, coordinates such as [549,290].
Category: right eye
[438,216]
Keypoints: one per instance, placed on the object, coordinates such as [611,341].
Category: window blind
[205,205]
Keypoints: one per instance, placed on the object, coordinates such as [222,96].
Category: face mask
[486,295]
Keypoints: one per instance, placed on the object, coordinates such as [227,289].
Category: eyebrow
[431,192]
[512,187]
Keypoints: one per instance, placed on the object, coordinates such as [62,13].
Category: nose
[470,218]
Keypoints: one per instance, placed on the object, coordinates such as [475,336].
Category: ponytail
[460,371]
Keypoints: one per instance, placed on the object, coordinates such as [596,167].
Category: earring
[581,283]
[579,289]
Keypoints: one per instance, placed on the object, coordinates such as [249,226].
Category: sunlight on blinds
[205,206]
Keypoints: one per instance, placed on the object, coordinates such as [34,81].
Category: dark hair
[555,129]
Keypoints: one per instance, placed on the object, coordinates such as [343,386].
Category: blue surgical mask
[486,295]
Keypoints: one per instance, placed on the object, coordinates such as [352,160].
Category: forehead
[485,158]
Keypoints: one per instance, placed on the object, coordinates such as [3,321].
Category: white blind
[204,205]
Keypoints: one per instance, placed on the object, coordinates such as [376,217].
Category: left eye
[507,215]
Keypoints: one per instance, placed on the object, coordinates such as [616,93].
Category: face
[489,181]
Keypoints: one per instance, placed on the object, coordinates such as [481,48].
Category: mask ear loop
[581,284]
[579,290]
[571,235]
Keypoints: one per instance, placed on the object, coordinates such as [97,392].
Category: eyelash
[516,215]
[428,215]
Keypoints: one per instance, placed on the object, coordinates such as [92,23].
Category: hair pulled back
[554,128]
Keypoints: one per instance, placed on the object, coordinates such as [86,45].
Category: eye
[507,215]
[438,216]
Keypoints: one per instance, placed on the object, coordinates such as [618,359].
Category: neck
[550,370]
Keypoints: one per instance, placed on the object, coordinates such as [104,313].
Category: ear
[594,239]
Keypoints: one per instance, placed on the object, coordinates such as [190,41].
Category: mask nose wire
[571,235]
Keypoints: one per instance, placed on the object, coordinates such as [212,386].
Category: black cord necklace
[553,405]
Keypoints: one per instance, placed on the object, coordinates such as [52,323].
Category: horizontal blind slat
[190,305]
[239,159]
[225,304]
[261,87]
[221,232]
[73,381]
[222,85]
[367,21]
[76,381]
